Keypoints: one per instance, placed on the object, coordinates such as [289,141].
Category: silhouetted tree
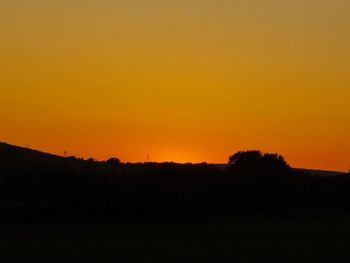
[113,161]
[275,164]
[255,163]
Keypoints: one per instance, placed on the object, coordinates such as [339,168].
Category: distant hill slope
[15,160]
[14,155]
[318,172]
[302,171]
[33,183]
[21,155]
[11,154]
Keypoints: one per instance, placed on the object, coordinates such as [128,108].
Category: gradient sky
[180,80]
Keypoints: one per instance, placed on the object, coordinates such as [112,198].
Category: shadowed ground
[252,211]
[243,240]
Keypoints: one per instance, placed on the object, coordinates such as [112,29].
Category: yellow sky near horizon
[178,80]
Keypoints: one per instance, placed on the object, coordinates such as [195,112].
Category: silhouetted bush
[113,161]
[258,165]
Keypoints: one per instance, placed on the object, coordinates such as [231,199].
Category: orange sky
[192,80]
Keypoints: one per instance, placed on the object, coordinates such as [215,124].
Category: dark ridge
[36,184]
[314,172]
[16,154]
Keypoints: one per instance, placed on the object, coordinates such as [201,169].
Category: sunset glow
[184,81]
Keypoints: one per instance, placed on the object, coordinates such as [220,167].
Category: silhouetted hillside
[317,172]
[33,183]
[10,154]
[20,155]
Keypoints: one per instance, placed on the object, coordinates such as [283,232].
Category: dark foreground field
[256,209]
[279,239]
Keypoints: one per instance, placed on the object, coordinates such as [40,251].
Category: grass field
[313,239]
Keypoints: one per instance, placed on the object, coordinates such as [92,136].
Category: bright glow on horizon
[186,81]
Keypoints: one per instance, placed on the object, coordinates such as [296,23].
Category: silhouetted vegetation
[255,165]
[113,161]
[37,184]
